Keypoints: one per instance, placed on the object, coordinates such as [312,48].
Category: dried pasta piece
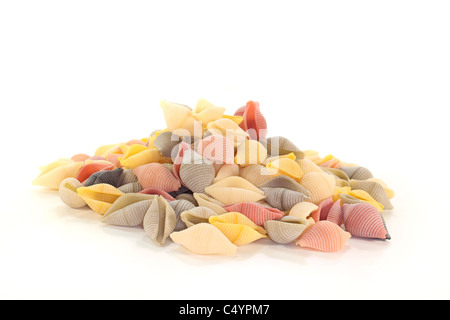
[179,118]
[323,209]
[132,187]
[188,197]
[99,197]
[196,215]
[253,122]
[217,149]
[54,173]
[166,142]
[228,128]
[357,173]
[92,166]
[238,228]
[256,174]
[204,201]
[324,236]
[284,193]
[128,210]
[390,193]
[339,174]
[308,166]
[335,214]
[206,112]
[320,186]
[250,152]
[286,167]
[68,193]
[279,146]
[204,239]
[139,155]
[157,192]
[304,210]
[363,220]
[375,190]
[160,220]
[257,213]
[80,157]
[234,190]
[180,206]
[227,170]
[127,177]
[111,177]
[286,230]
[196,172]
[155,175]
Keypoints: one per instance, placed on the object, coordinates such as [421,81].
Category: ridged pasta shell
[132,187]
[139,155]
[286,230]
[227,170]
[155,175]
[278,146]
[92,166]
[357,173]
[179,206]
[166,142]
[54,173]
[68,193]
[323,209]
[128,210]
[111,177]
[127,177]
[390,193]
[80,157]
[196,215]
[250,152]
[320,185]
[99,197]
[257,213]
[238,228]
[198,173]
[188,197]
[204,239]
[253,122]
[204,201]
[178,160]
[348,199]
[284,193]
[286,183]
[228,128]
[324,236]
[157,192]
[375,190]
[234,190]
[217,149]
[160,220]
[286,167]
[206,112]
[308,166]
[363,220]
[337,173]
[304,210]
[335,214]
[256,174]
[179,118]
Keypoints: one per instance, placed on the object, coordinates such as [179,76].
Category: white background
[366,81]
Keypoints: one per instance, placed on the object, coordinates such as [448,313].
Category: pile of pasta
[213,182]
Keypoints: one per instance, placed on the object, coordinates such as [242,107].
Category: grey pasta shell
[166,142]
[197,215]
[160,220]
[68,193]
[128,210]
[127,177]
[282,146]
[375,189]
[283,199]
[196,172]
[188,197]
[180,206]
[357,173]
[110,177]
[133,187]
[285,230]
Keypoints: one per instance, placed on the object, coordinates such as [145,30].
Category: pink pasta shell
[324,236]
[258,213]
[217,148]
[365,221]
[155,175]
[254,122]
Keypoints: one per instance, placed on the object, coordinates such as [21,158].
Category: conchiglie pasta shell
[204,201]
[160,220]
[196,177]
[304,210]
[238,228]
[53,174]
[335,214]
[177,117]
[227,170]
[257,213]
[375,190]
[204,239]
[308,166]
[68,193]
[320,186]
[364,220]
[357,173]
[286,230]
[111,177]
[324,236]
[234,190]
[99,197]
[250,152]
[254,122]
[132,187]
[256,174]
[155,175]
[166,142]
[284,199]
[138,155]
[196,215]
[229,129]
[179,206]
[281,146]
[217,148]
[128,210]
[286,167]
